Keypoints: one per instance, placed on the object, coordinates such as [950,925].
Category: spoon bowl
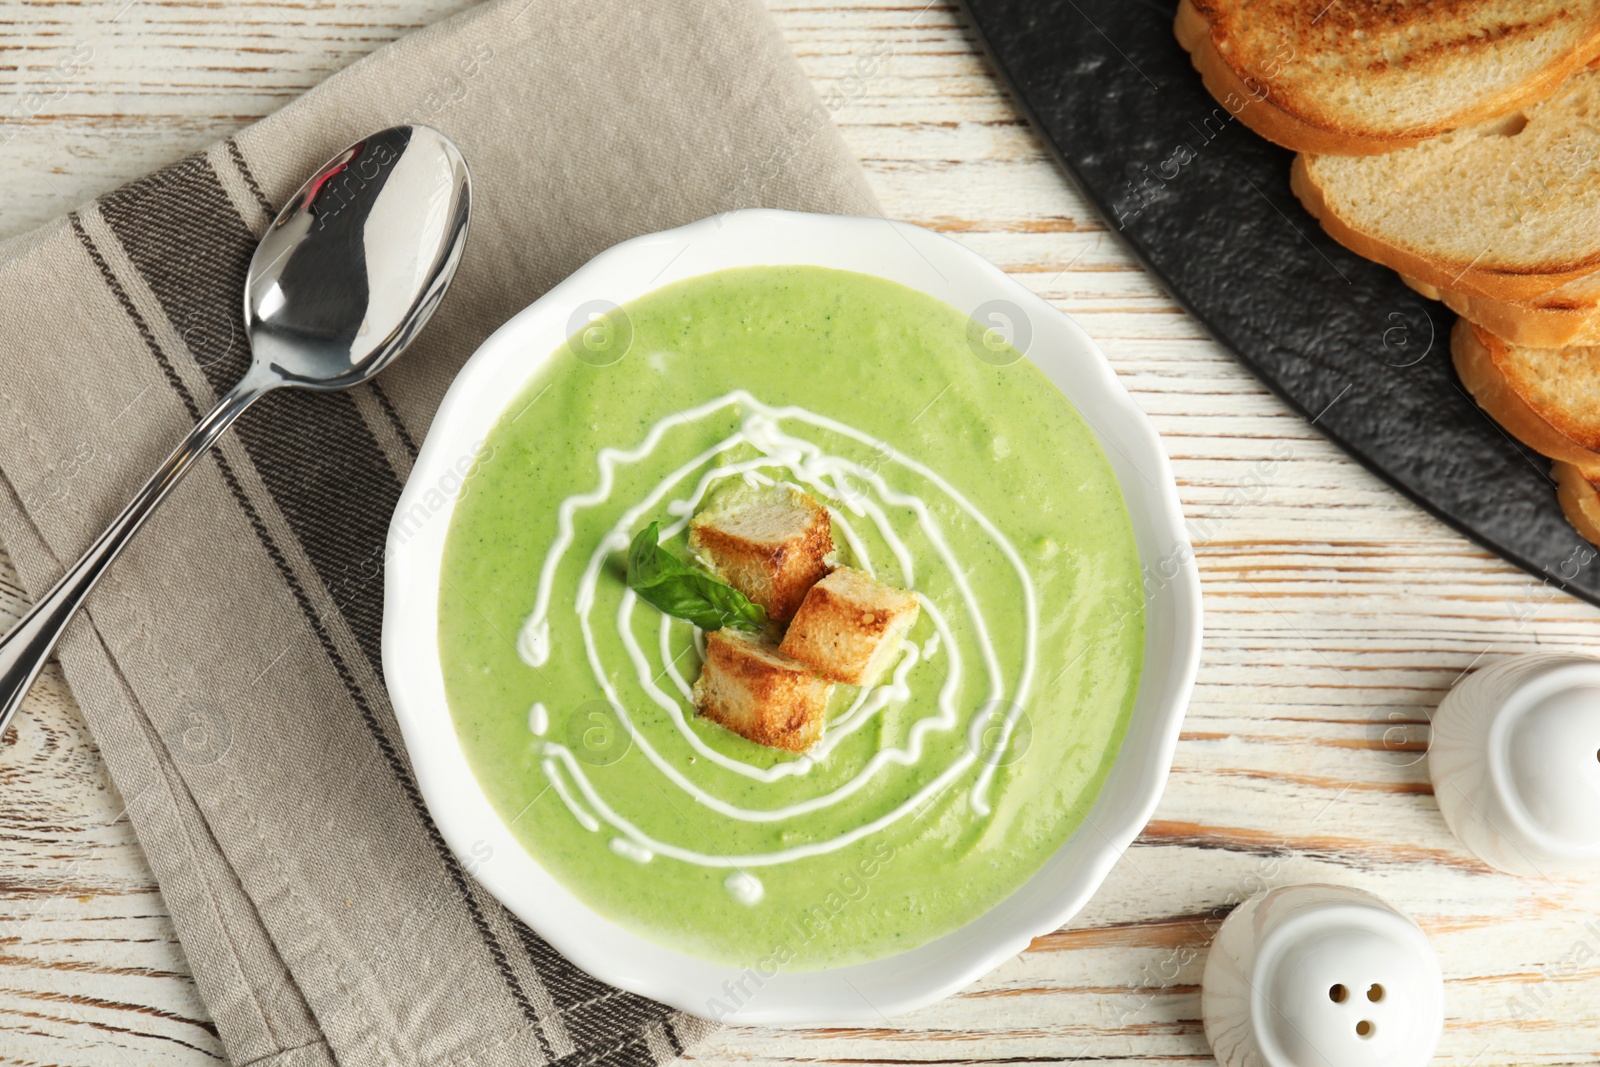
[380,227]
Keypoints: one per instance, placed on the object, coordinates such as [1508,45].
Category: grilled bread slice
[1502,210]
[1569,315]
[1365,77]
[1547,398]
[1579,493]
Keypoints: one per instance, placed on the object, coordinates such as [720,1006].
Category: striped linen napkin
[229,664]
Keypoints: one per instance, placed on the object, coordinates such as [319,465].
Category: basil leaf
[663,580]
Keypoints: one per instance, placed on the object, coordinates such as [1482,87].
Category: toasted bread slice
[1364,78]
[1502,210]
[1566,316]
[772,543]
[1547,398]
[850,625]
[751,688]
[1579,493]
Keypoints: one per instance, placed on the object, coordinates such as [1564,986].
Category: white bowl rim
[864,992]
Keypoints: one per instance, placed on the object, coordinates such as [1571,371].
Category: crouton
[772,543]
[749,687]
[849,626]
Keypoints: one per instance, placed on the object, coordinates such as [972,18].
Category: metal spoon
[346,275]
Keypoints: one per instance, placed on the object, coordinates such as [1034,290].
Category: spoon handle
[24,650]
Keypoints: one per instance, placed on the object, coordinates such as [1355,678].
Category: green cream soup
[952,468]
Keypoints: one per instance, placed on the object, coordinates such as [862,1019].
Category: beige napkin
[229,665]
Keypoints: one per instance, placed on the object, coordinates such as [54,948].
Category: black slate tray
[1206,205]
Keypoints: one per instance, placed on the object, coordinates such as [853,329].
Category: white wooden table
[1336,612]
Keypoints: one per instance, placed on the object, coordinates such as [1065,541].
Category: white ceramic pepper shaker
[1321,976]
[1515,763]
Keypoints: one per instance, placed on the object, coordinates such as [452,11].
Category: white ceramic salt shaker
[1515,763]
[1321,976]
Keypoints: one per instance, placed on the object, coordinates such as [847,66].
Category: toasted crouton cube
[749,687]
[849,626]
[772,543]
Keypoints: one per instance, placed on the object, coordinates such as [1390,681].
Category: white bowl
[941,268]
